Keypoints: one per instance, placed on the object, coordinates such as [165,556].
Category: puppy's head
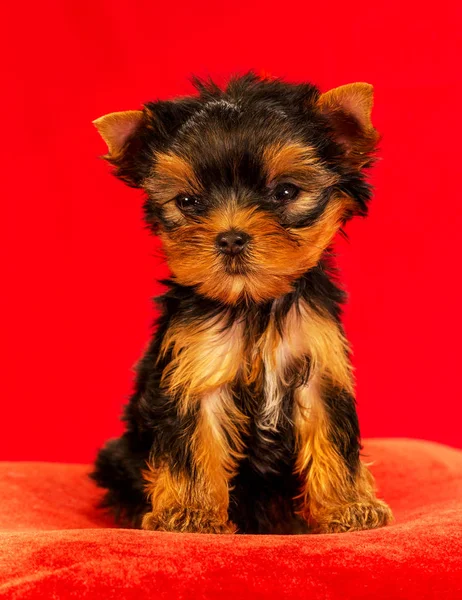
[247,185]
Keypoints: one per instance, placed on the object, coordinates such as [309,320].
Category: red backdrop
[79,268]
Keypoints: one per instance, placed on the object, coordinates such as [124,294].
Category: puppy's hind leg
[118,468]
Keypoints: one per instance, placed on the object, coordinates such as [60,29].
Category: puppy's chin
[242,279]
[234,284]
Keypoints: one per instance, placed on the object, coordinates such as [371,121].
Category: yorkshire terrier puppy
[243,417]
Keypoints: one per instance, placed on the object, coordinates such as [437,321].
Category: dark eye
[285,191]
[187,203]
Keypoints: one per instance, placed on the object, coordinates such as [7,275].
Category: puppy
[243,417]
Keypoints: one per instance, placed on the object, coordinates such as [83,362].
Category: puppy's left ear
[348,109]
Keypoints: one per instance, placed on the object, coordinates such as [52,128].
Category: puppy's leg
[337,489]
[118,468]
[195,497]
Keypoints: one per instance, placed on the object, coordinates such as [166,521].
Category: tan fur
[172,175]
[276,256]
[204,357]
[164,193]
[317,237]
[299,164]
[181,504]
[306,333]
[194,260]
[284,159]
[200,503]
[331,500]
[317,335]
[177,169]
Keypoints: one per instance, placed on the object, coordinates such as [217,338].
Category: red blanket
[54,543]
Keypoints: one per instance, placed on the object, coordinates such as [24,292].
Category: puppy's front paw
[184,520]
[356,516]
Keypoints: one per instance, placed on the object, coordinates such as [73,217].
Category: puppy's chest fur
[254,385]
[252,364]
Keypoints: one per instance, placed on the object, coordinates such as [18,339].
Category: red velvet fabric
[54,543]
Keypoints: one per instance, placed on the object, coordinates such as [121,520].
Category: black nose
[232,242]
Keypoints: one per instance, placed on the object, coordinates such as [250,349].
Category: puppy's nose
[232,242]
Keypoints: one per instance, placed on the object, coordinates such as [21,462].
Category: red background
[79,269]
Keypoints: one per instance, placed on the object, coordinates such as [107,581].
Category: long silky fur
[270,443]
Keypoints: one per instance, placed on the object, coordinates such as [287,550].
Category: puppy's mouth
[236,265]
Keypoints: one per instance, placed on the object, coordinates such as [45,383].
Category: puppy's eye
[285,191]
[188,203]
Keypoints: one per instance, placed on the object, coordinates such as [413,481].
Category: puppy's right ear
[134,136]
[116,128]
[128,147]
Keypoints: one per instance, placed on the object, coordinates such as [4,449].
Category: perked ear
[116,128]
[133,136]
[348,109]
